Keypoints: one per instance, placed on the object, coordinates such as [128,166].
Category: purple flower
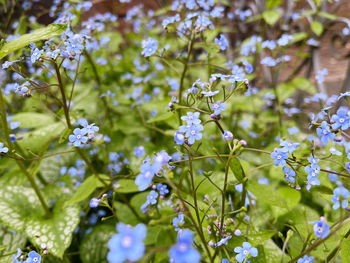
[227,136]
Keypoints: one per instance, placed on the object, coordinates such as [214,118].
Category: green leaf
[290,196]
[33,119]
[237,169]
[345,250]
[273,3]
[327,15]
[127,186]
[161,117]
[317,28]
[39,34]
[259,237]
[10,241]
[16,204]
[94,246]
[84,190]
[266,194]
[271,16]
[35,140]
[55,232]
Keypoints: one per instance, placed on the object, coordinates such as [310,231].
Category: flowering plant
[200,131]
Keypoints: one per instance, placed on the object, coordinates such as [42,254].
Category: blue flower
[77,138]
[334,151]
[341,119]
[149,46]
[36,53]
[270,44]
[178,221]
[94,202]
[90,128]
[306,259]
[325,133]
[210,93]
[320,75]
[218,107]
[289,174]
[223,241]
[340,194]
[162,188]
[33,257]
[179,138]
[321,228]
[222,42]
[127,244]
[224,260]
[227,136]
[289,146]
[245,251]
[152,197]
[183,251]
[279,156]
[148,170]
[191,118]
[193,133]
[3,149]
[139,151]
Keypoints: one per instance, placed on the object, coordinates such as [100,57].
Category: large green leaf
[345,250]
[9,242]
[266,194]
[35,140]
[127,186]
[39,34]
[16,204]
[94,246]
[33,119]
[85,190]
[55,232]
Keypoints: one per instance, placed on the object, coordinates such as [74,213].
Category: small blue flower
[341,120]
[224,260]
[139,151]
[289,146]
[306,259]
[222,42]
[183,251]
[149,46]
[192,118]
[334,151]
[36,53]
[152,197]
[193,133]
[245,251]
[178,221]
[148,170]
[223,241]
[320,75]
[90,128]
[94,202]
[227,136]
[163,189]
[3,149]
[321,228]
[279,156]
[210,93]
[179,138]
[218,107]
[340,196]
[33,257]
[127,244]
[325,133]
[78,137]
[289,174]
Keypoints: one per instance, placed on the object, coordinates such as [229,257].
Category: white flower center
[78,136]
[182,247]
[148,175]
[126,242]
[245,252]
[341,120]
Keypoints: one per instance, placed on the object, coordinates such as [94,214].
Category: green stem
[18,162]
